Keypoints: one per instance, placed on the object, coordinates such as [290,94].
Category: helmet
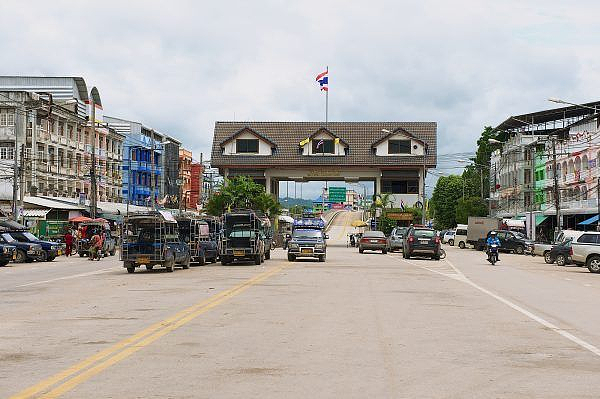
[492,233]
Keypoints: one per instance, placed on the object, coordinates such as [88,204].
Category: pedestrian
[69,243]
[95,246]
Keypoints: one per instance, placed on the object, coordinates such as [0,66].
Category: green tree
[472,206]
[447,192]
[242,192]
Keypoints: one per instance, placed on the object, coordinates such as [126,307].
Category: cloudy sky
[179,66]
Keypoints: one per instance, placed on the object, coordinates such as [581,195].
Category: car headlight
[318,246]
[294,246]
[54,247]
[6,250]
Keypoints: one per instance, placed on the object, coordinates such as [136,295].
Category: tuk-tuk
[87,231]
[196,233]
[242,237]
[153,239]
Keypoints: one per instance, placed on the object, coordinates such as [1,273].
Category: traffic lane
[356,326]
[46,328]
[566,296]
[19,274]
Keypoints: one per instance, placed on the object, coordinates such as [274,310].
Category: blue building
[138,174]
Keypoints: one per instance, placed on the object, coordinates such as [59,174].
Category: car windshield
[520,236]
[30,236]
[399,231]
[241,234]
[424,233]
[8,237]
[374,234]
[306,233]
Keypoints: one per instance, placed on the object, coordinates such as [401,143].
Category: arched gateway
[394,155]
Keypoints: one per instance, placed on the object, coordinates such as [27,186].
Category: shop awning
[35,213]
[539,219]
[592,220]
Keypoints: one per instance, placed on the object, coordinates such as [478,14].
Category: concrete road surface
[357,326]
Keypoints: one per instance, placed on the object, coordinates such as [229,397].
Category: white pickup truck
[586,251]
[542,249]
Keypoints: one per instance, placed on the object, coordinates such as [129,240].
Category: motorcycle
[493,254]
[352,240]
[286,240]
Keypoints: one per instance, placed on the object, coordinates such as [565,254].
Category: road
[368,325]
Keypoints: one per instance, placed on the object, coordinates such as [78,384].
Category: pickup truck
[543,249]
[586,251]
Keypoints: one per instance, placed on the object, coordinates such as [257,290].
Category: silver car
[397,238]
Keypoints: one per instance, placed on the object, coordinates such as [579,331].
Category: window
[322,146]
[7,117]
[589,239]
[246,146]
[7,152]
[400,186]
[399,147]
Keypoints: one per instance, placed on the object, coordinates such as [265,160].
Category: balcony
[54,138]
[63,140]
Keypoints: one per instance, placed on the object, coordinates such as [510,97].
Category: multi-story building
[49,117]
[522,172]
[170,188]
[185,175]
[196,195]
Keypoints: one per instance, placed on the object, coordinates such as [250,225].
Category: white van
[460,237]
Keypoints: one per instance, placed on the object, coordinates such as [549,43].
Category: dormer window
[323,146]
[246,146]
[399,146]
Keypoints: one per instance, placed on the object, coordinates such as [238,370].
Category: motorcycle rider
[491,240]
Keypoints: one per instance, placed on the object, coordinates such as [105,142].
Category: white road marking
[458,275]
[101,271]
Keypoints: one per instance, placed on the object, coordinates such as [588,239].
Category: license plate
[307,250]
[239,253]
[143,259]
[424,241]
[59,252]
[374,241]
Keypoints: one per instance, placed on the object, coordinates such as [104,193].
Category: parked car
[25,251]
[7,253]
[373,241]
[561,253]
[448,237]
[586,251]
[50,249]
[196,233]
[152,239]
[422,241]
[307,242]
[542,249]
[397,238]
[460,236]
[512,241]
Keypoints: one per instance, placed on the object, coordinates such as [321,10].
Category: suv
[397,238]
[586,251]
[421,241]
[307,243]
[7,253]
[242,237]
[448,237]
[513,241]
[25,251]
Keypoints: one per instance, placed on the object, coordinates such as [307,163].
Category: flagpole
[327,99]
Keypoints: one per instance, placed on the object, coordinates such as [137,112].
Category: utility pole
[94,187]
[424,168]
[19,111]
[22,176]
[556,192]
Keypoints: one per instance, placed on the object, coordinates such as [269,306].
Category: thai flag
[323,80]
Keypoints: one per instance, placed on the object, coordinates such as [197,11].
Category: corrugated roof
[547,115]
[51,204]
[35,213]
[360,136]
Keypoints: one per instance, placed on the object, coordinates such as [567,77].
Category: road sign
[337,194]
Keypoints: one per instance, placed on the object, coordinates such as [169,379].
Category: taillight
[364,240]
[411,239]
[571,251]
[437,239]
[382,241]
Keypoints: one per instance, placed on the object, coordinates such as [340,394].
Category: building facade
[49,118]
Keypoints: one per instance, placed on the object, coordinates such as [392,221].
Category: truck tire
[593,264]
[50,258]
[4,263]
[322,258]
[130,269]
[268,255]
[186,263]
[112,253]
[548,258]
[170,265]
[451,242]
[291,258]
[224,261]
[257,259]
[520,250]
[202,260]
[461,245]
